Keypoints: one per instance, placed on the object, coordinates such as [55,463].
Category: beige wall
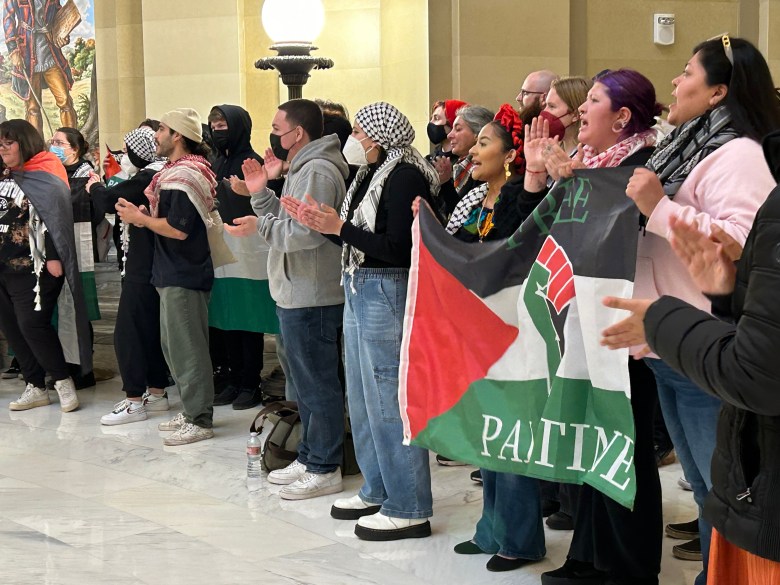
[154,55]
[120,69]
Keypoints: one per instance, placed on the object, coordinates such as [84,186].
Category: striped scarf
[191,174]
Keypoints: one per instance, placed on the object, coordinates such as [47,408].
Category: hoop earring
[507,172]
[621,127]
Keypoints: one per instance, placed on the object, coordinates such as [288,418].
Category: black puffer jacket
[739,363]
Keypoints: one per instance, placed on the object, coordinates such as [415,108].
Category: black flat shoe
[574,572]
[499,564]
[476,476]
[560,521]
[688,551]
[468,548]
[683,530]
[227,396]
[247,398]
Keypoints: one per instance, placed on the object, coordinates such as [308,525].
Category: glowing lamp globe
[293,21]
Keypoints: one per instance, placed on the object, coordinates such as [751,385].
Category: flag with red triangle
[501,365]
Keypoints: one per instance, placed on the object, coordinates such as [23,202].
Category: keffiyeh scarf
[191,174]
[387,126]
[465,206]
[616,154]
[689,144]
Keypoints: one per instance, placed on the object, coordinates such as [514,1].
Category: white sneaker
[188,433]
[155,403]
[287,475]
[67,393]
[124,412]
[312,485]
[32,397]
[174,424]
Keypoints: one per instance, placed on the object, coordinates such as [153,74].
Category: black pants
[30,332]
[624,543]
[244,357]
[137,340]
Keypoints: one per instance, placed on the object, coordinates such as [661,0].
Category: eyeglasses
[58,143]
[525,92]
[726,40]
[7,144]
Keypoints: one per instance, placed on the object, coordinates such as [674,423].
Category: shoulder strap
[272,408]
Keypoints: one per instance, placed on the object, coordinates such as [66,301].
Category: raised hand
[708,263]
[630,331]
[645,188]
[273,166]
[320,217]
[443,166]
[255,175]
[556,161]
[243,226]
[536,133]
[238,186]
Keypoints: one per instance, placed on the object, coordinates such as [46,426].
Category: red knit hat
[451,108]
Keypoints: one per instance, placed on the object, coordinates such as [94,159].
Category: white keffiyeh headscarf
[388,127]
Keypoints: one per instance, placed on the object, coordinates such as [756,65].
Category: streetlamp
[293,25]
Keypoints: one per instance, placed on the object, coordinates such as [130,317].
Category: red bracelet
[536,172]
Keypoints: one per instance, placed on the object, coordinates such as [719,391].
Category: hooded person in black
[241,308]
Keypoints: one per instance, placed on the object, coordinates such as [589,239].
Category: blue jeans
[511,522]
[691,416]
[310,340]
[395,476]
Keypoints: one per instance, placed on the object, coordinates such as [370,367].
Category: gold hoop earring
[507,172]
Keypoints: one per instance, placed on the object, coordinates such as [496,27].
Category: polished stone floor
[83,504]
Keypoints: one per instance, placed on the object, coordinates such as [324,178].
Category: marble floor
[85,504]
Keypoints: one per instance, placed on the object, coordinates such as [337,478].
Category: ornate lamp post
[293,25]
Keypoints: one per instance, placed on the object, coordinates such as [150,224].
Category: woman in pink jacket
[710,169]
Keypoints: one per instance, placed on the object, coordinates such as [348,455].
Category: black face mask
[279,151]
[436,133]
[220,139]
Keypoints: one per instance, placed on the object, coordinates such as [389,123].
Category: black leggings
[30,332]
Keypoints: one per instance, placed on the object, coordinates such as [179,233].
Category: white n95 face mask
[354,153]
[129,168]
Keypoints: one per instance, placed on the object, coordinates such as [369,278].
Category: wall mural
[47,65]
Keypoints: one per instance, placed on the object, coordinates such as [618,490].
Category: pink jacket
[726,189]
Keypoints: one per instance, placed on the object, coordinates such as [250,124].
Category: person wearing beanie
[182,271]
[304,275]
[137,332]
[241,309]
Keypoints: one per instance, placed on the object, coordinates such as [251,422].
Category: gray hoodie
[304,267]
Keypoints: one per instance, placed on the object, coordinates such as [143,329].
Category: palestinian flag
[501,365]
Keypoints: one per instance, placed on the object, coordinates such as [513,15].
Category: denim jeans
[511,522]
[310,341]
[691,417]
[395,476]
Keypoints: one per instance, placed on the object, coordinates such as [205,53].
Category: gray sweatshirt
[304,267]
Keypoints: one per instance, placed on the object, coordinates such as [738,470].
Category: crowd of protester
[316,249]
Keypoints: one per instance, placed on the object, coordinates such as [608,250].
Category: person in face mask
[137,332]
[70,146]
[241,309]
[304,278]
[560,111]
[440,125]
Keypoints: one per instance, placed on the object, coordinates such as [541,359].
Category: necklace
[483,228]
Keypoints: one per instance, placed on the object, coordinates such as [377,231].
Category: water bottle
[253,468]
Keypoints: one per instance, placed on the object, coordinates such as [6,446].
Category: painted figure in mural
[35,49]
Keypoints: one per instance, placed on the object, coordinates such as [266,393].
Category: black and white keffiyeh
[465,206]
[141,142]
[676,156]
[388,127]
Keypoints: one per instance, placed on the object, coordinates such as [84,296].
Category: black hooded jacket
[738,362]
[229,161]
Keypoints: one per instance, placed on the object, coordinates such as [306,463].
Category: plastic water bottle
[253,468]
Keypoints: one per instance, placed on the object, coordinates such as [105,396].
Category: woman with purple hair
[608,544]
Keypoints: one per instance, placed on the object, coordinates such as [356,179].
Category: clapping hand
[319,217]
[274,166]
[630,331]
[559,165]
[443,166]
[710,261]
[255,175]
